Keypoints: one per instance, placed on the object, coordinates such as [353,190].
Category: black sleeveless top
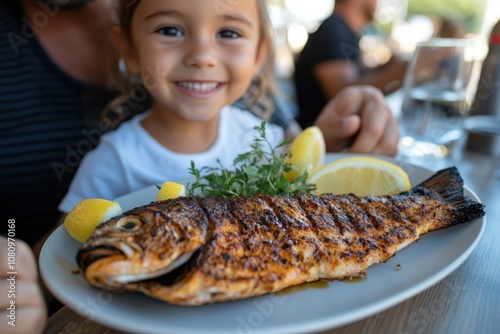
[48,122]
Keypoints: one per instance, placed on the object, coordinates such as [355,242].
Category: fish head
[143,243]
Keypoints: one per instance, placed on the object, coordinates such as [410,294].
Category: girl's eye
[228,34]
[129,224]
[170,31]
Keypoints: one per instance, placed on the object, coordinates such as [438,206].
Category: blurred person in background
[330,60]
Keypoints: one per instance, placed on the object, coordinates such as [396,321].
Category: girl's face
[196,56]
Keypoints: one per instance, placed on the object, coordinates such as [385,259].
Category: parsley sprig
[259,170]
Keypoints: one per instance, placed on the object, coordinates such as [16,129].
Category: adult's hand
[359,119]
[22,307]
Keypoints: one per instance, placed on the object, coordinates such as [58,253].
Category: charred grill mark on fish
[198,250]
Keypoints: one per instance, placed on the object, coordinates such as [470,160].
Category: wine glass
[438,89]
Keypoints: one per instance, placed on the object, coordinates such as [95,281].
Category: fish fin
[450,186]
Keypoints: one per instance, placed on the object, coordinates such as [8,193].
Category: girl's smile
[199,89]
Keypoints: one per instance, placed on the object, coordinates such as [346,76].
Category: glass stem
[425,118]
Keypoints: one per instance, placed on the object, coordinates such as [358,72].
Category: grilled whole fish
[195,250]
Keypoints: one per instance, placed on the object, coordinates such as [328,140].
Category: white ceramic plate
[312,308]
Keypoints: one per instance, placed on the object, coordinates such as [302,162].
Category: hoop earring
[135,78]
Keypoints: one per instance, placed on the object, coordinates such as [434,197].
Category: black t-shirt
[333,40]
[48,122]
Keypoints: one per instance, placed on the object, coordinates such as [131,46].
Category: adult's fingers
[28,321]
[388,145]
[16,256]
[23,293]
[339,120]
[339,132]
[375,118]
[30,312]
[359,118]
[379,132]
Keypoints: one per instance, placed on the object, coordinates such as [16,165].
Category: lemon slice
[362,176]
[82,220]
[307,152]
[170,190]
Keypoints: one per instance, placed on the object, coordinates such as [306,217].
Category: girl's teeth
[198,87]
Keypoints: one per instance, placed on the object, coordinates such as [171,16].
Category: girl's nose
[200,53]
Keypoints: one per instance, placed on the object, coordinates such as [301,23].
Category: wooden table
[466,301]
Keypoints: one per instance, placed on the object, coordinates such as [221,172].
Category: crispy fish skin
[264,244]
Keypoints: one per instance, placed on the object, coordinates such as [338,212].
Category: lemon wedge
[307,152]
[361,176]
[170,190]
[82,220]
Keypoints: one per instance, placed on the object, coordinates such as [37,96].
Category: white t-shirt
[129,159]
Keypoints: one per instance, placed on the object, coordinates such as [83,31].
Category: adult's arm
[334,75]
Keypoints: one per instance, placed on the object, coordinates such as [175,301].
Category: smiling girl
[195,58]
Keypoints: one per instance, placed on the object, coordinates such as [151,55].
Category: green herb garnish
[257,171]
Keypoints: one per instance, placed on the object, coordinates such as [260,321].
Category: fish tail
[450,186]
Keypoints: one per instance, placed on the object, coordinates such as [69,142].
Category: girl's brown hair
[257,97]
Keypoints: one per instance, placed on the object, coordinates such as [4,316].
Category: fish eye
[129,224]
